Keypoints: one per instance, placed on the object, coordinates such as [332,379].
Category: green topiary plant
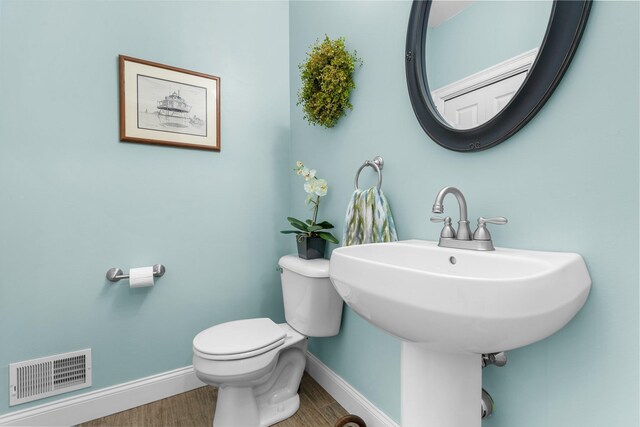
[327,82]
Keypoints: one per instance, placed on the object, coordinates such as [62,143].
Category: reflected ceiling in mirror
[478,54]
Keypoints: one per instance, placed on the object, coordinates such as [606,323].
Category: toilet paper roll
[141,277]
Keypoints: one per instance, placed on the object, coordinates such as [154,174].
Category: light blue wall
[74,201]
[484,34]
[568,181]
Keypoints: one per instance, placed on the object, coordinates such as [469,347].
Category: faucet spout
[464,232]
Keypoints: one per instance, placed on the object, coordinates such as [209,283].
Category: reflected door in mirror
[480,105]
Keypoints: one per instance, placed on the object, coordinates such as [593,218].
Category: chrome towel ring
[377,163]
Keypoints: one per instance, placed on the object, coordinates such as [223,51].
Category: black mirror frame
[566,25]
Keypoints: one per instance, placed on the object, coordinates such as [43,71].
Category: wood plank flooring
[196,407]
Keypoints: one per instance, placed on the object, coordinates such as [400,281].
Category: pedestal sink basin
[448,306]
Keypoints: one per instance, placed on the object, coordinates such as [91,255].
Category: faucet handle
[447,231]
[500,220]
[481,232]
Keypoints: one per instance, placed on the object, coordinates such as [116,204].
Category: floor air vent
[48,376]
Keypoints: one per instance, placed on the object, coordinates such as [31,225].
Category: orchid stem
[315,210]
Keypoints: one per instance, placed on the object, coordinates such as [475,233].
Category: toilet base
[270,415]
[252,413]
[227,414]
[266,403]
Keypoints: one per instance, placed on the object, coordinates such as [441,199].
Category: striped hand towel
[368,219]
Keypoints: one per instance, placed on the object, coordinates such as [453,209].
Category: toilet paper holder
[115,274]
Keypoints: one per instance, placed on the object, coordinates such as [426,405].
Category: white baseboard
[100,403]
[346,395]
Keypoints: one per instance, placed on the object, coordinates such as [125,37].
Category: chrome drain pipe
[498,359]
[486,403]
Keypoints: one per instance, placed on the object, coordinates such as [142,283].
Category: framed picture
[165,105]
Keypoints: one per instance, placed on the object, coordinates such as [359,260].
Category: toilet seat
[238,339]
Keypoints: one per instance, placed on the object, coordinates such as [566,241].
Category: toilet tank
[311,304]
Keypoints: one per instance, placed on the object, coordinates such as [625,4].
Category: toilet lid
[239,338]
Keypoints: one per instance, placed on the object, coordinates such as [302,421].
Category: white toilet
[257,364]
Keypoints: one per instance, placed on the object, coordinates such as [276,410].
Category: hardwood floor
[195,408]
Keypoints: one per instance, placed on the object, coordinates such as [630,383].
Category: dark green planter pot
[311,247]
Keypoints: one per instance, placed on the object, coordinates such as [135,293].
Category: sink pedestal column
[439,389]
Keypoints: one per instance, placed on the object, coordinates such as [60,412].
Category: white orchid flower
[310,186]
[309,174]
[299,164]
[321,187]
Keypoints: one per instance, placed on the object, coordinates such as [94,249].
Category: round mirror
[478,71]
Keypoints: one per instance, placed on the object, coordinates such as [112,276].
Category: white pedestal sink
[449,306]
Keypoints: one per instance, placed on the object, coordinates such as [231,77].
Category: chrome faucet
[463,239]
[464,232]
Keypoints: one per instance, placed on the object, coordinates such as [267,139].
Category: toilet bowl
[257,364]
